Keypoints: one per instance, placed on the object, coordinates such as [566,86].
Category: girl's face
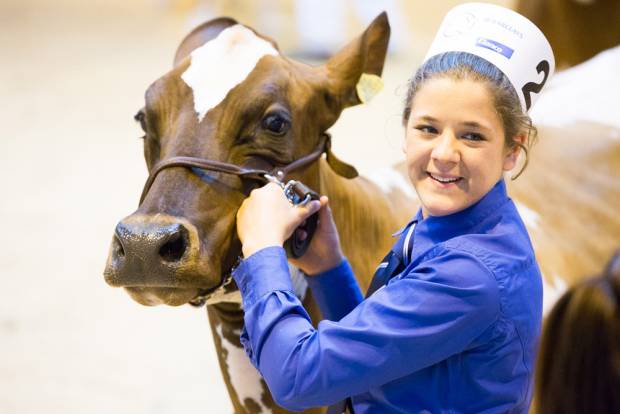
[454,145]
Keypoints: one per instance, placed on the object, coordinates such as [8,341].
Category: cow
[577,29]
[233,105]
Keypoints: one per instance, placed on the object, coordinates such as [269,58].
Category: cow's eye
[276,124]
[140,117]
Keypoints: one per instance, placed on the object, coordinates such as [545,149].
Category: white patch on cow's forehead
[222,63]
[530,218]
[244,378]
[552,290]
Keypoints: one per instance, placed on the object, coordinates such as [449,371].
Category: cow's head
[231,97]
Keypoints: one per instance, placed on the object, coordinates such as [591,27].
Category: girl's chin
[438,208]
[439,213]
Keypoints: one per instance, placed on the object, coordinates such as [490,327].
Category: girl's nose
[446,148]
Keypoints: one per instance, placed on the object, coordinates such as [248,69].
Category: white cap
[504,38]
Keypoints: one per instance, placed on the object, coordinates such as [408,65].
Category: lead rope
[226,168]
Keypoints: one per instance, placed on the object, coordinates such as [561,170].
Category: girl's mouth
[444,180]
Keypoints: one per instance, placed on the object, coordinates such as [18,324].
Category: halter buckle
[297,193]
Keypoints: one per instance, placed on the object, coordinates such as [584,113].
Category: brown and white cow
[232,97]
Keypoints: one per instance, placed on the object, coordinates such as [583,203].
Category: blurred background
[72,75]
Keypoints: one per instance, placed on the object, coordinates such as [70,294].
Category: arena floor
[72,76]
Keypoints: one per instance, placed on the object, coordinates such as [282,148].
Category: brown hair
[463,65]
[578,367]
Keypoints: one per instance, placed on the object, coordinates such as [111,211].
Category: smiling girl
[452,316]
[462,131]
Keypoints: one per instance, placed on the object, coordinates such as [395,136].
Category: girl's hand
[324,252]
[266,218]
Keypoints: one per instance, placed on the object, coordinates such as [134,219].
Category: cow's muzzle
[148,247]
[156,258]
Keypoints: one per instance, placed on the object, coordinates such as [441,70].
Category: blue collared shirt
[455,332]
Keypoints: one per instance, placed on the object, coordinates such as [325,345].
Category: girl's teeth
[445,180]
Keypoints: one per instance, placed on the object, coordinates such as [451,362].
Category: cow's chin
[151,296]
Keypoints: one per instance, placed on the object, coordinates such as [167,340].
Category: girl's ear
[512,155]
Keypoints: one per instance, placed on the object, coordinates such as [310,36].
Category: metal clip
[296,192]
[274,179]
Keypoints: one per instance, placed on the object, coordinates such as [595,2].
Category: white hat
[504,38]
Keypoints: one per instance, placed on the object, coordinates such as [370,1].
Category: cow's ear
[201,35]
[364,55]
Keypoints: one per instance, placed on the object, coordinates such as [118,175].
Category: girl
[454,311]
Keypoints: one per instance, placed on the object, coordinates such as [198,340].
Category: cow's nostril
[175,246]
[117,247]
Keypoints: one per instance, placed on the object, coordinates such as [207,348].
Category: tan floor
[72,75]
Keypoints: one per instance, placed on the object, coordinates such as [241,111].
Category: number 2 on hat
[534,87]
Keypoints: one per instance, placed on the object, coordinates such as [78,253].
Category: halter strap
[250,173]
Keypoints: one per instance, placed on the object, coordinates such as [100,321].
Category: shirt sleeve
[419,319]
[336,291]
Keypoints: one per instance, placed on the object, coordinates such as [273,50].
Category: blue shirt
[455,332]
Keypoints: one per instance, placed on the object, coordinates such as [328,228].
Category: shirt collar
[463,220]
[415,219]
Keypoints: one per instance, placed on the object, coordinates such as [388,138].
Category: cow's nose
[151,250]
[166,243]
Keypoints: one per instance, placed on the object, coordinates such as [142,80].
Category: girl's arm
[415,321]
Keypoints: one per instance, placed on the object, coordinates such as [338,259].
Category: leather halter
[324,146]
[339,167]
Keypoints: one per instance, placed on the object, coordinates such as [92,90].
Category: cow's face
[234,100]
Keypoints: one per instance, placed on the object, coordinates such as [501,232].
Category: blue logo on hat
[495,46]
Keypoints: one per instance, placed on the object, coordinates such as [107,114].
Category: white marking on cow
[553,288]
[529,216]
[389,180]
[222,63]
[244,378]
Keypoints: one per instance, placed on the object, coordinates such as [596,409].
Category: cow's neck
[366,215]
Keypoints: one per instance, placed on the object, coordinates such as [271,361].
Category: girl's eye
[427,129]
[472,136]
[276,124]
